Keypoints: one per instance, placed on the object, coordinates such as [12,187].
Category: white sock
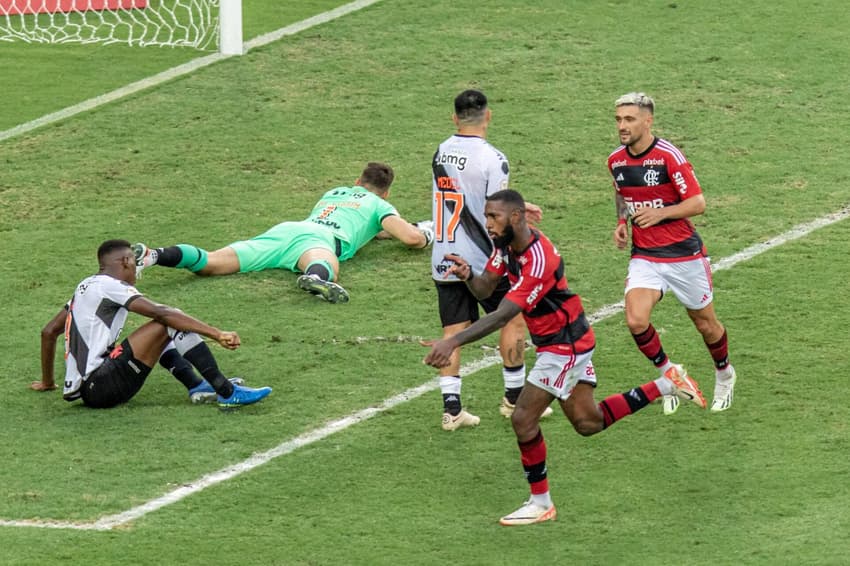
[450,384]
[513,378]
[542,499]
[665,386]
[667,365]
[724,374]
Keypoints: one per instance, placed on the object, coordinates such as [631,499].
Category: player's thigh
[559,374]
[117,380]
[583,411]
[457,304]
[148,341]
[645,286]
[691,282]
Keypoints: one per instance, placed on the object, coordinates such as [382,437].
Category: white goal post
[207,25]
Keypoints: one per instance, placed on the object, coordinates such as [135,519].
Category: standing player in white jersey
[657,192]
[466,170]
[104,373]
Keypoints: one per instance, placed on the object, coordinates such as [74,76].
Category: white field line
[181,70]
[112,521]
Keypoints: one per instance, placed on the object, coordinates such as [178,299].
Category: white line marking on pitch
[181,70]
[258,459]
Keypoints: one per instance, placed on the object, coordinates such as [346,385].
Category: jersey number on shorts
[454,203]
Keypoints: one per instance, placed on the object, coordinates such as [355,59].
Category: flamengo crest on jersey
[96,315]
[554,314]
[466,170]
[660,176]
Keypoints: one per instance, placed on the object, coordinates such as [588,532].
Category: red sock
[649,344]
[622,405]
[720,352]
[533,455]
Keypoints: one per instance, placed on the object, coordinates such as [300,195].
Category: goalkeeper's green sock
[182,255]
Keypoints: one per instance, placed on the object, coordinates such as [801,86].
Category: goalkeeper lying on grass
[343,221]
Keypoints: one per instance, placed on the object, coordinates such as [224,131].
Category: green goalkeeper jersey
[353,214]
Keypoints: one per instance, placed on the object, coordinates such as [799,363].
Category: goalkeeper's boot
[243,396]
[529,514]
[204,392]
[686,387]
[328,290]
[145,257]
[462,419]
[506,409]
[723,389]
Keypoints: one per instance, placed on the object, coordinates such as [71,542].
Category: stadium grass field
[753,93]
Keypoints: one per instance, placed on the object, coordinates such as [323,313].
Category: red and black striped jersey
[554,314]
[660,176]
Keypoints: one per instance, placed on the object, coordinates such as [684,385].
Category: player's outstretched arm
[49,334]
[410,235]
[177,319]
[441,350]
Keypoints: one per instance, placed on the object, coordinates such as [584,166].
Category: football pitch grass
[753,94]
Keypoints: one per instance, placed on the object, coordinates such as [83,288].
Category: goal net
[175,23]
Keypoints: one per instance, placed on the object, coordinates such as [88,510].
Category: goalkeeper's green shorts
[281,246]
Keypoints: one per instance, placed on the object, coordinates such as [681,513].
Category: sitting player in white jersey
[562,335]
[104,373]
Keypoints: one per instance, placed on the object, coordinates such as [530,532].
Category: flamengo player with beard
[657,193]
[560,331]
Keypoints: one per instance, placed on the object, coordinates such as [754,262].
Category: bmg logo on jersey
[459,161]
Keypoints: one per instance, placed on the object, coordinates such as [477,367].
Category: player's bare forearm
[488,324]
[482,286]
[621,206]
[178,320]
[649,216]
[49,334]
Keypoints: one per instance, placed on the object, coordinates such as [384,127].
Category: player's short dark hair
[508,196]
[110,246]
[378,176]
[470,105]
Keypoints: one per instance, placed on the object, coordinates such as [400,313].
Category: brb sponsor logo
[634,206]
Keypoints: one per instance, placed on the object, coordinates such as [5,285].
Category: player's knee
[587,426]
[524,422]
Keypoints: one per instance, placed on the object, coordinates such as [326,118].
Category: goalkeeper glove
[427,229]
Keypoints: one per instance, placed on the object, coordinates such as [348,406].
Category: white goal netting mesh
[175,23]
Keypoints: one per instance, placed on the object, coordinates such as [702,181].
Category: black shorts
[116,381]
[458,304]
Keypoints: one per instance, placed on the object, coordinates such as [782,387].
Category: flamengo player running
[564,340]
[657,190]
[466,169]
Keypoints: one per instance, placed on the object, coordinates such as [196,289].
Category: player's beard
[505,238]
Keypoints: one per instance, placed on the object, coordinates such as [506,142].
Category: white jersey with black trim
[96,315]
[467,169]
